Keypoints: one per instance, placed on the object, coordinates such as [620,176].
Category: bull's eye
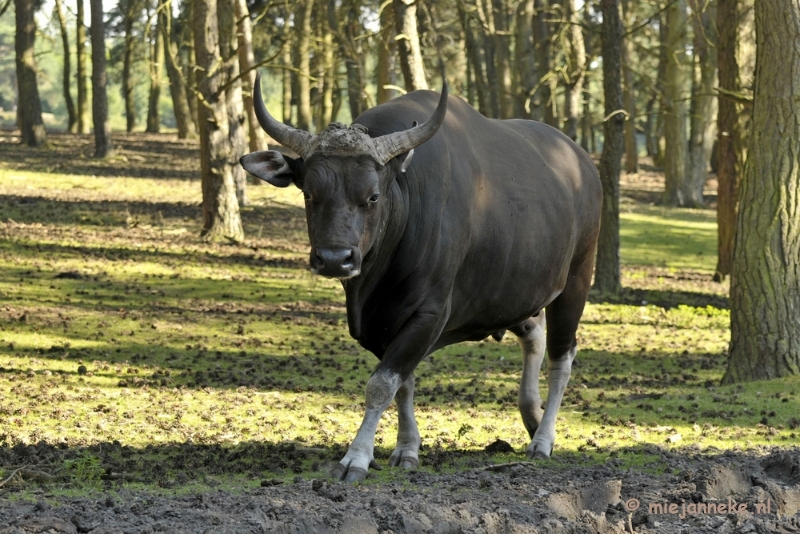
[374,198]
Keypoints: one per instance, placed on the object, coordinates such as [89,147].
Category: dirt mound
[733,493]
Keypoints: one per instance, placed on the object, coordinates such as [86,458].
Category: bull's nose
[330,261]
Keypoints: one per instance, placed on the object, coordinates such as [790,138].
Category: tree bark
[287,86]
[657,119]
[303,15]
[576,64]
[765,283]
[474,56]
[674,106]
[386,54]
[629,96]
[30,107]
[353,55]
[102,126]
[524,59]
[257,139]
[180,102]
[234,102]
[156,62]
[702,115]
[489,55]
[221,218]
[607,271]
[72,119]
[502,49]
[80,50]
[131,8]
[543,99]
[727,136]
[407,39]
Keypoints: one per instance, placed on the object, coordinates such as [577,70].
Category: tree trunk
[30,107]
[189,67]
[221,218]
[287,86]
[727,136]
[180,103]
[607,272]
[704,105]
[405,12]
[156,60]
[657,119]
[303,15]
[80,50]
[587,130]
[127,65]
[257,138]
[327,66]
[72,119]
[474,56]
[102,126]
[386,54]
[765,283]
[502,49]
[543,99]
[629,96]
[576,64]
[234,102]
[484,12]
[354,62]
[524,59]
[674,106]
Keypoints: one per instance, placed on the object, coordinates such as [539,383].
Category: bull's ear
[271,166]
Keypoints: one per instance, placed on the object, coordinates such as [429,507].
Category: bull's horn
[394,144]
[297,140]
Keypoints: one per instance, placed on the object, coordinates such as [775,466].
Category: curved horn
[297,140]
[394,144]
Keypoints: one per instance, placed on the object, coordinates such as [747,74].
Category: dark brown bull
[490,223]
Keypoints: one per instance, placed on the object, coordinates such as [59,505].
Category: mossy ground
[129,344]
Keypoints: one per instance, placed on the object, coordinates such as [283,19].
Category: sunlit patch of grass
[187,365]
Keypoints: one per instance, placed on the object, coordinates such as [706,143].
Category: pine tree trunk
[287,87]
[474,56]
[405,12]
[180,103]
[221,218]
[189,71]
[30,107]
[127,65]
[543,99]
[607,271]
[524,60]
[303,15]
[765,283]
[72,119]
[80,50]
[257,139]
[629,96]
[386,54]
[657,119]
[156,61]
[102,126]
[702,115]
[727,136]
[502,50]
[576,63]
[234,102]
[674,105]
[354,63]
[326,67]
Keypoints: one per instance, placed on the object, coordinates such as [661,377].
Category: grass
[132,354]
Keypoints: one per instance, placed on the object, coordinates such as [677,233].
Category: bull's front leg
[406,452]
[381,389]
[402,356]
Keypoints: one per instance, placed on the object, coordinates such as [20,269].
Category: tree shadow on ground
[663,299]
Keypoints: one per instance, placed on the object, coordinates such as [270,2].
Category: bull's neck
[378,260]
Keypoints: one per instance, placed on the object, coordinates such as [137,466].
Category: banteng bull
[490,224]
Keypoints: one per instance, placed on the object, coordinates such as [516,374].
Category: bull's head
[344,175]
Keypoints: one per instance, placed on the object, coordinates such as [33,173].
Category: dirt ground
[519,497]
[761,485]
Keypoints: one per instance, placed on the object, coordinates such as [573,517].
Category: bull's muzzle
[335,262]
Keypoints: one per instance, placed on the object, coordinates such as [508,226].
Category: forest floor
[150,382]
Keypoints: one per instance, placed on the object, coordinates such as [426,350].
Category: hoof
[355,474]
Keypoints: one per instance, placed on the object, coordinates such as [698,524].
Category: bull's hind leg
[531,336]
[406,452]
[563,316]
